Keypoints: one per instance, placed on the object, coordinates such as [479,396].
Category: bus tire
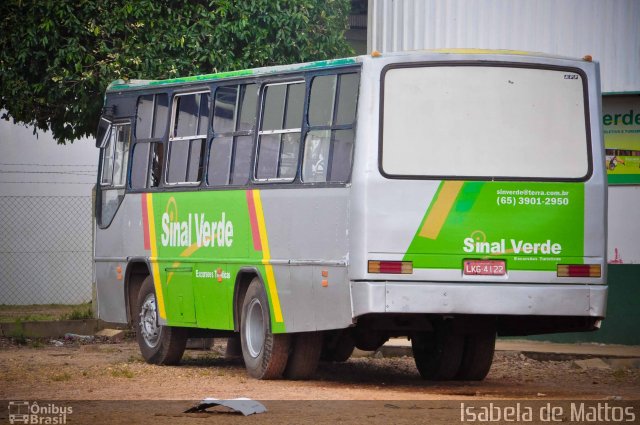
[265,353]
[161,345]
[438,354]
[338,349]
[304,356]
[477,356]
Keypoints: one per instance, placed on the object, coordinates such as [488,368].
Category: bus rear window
[484,122]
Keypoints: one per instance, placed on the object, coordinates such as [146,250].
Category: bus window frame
[236,133]
[102,187]
[331,128]
[171,138]
[106,144]
[260,121]
[260,81]
[160,140]
[112,150]
[476,63]
[102,142]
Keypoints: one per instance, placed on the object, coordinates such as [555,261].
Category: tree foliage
[58,56]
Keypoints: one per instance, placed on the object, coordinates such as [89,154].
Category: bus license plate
[485,267]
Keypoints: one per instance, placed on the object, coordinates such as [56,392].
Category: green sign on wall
[621,123]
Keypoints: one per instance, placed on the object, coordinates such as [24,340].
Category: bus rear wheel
[477,356]
[305,355]
[338,347]
[265,353]
[162,345]
[438,354]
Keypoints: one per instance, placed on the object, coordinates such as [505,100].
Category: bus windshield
[485,122]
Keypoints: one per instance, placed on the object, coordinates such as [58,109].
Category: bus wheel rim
[149,321]
[255,330]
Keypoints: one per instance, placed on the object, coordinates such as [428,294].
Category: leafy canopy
[58,56]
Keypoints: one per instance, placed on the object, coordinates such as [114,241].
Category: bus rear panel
[488,195]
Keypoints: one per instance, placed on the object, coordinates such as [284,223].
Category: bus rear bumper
[486,298]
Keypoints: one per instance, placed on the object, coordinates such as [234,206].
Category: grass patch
[17,334]
[37,318]
[122,373]
[12,307]
[109,350]
[45,312]
[135,359]
[36,343]
[61,377]
[82,312]
[208,358]
[619,374]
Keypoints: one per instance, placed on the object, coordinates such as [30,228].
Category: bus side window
[115,157]
[146,165]
[347,99]
[234,118]
[187,139]
[155,164]
[139,165]
[152,113]
[151,116]
[279,136]
[328,145]
[107,158]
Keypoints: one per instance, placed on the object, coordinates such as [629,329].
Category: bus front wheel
[163,345]
[265,353]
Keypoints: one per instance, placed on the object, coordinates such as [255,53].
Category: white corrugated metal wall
[609,30]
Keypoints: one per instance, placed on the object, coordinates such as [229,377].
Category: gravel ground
[115,371]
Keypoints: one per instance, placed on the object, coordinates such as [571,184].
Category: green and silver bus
[445,196]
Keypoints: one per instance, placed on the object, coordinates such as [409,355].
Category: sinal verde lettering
[518,247]
[216,233]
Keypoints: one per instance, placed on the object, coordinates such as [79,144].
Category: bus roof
[120,85]
[475,51]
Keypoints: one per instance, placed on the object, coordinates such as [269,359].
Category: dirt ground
[386,387]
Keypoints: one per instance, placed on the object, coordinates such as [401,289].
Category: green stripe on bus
[119,85]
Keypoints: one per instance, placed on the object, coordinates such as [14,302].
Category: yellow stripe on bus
[266,257]
[440,209]
[154,258]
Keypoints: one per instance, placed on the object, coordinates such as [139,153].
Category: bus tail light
[390,267]
[579,270]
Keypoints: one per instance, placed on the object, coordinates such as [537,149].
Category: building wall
[605,29]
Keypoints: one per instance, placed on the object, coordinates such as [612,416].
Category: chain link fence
[45,249]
